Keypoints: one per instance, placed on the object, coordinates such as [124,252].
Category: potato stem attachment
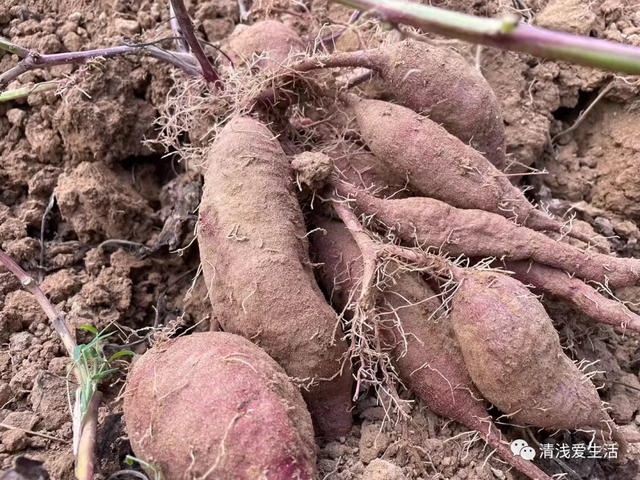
[186,25]
[506,33]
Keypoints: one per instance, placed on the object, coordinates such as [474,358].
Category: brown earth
[118,250]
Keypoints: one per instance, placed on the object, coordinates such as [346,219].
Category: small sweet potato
[256,266]
[474,233]
[439,165]
[214,405]
[514,356]
[430,362]
[269,38]
[581,296]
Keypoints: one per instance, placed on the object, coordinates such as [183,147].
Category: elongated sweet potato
[430,362]
[256,267]
[581,296]
[214,405]
[440,166]
[436,82]
[514,356]
[441,84]
[269,38]
[474,233]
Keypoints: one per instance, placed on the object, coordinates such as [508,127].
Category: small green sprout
[93,366]
[150,469]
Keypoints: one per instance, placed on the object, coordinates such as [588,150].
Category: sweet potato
[439,165]
[514,356]
[577,293]
[440,83]
[436,82]
[474,233]
[430,363]
[256,267]
[269,38]
[215,405]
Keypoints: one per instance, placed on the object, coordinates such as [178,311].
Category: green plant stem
[507,34]
[28,90]
[85,462]
[86,444]
[11,47]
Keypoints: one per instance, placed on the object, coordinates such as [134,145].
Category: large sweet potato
[441,84]
[213,405]
[256,265]
[424,348]
[514,356]
[436,82]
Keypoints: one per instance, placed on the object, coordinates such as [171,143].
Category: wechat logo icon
[522,448]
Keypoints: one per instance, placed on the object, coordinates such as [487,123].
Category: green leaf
[129,460]
[119,354]
[101,375]
[93,343]
[89,328]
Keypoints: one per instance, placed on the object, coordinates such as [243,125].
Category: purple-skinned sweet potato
[437,225]
[270,39]
[514,356]
[425,350]
[438,165]
[578,294]
[441,84]
[256,266]
[214,405]
[436,82]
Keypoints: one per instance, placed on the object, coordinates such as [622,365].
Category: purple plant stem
[181,44]
[208,72]
[30,285]
[507,34]
[36,60]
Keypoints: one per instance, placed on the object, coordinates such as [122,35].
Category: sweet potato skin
[216,399]
[514,356]
[269,37]
[430,341]
[430,363]
[475,233]
[441,84]
[438,165]
[362,169]
[256,266]
[581,296]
